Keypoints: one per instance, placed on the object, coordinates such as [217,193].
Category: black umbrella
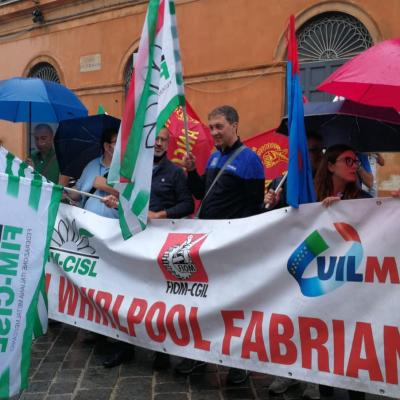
[365,128]
[77,141]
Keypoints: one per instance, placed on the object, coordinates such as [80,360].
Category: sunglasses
[350,161]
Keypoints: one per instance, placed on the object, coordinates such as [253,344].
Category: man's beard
[157,159]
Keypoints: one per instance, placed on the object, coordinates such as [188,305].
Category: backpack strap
[226,164]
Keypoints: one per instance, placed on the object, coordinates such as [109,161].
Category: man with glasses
[169,198]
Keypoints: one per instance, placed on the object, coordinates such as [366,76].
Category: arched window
[332,36]
[44,70]
[324,43]
[128,74]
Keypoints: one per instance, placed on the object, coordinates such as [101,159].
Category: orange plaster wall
[220,39]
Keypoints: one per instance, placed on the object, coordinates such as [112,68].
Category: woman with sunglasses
[336,177]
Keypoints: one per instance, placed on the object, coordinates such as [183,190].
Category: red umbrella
[372,77]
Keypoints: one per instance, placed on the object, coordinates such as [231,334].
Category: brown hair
[323,178]
[230,113]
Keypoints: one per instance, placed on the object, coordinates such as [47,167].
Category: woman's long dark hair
[323,178]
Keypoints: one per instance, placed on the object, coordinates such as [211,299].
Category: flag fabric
[154,93]
[101,109]
[273,150]
[300,187]
[27,216]
[201,142]
[14,166]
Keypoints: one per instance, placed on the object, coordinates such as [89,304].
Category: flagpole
[67,189]
[268,205]
[185,126]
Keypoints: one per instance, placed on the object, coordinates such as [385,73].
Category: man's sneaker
[119,357]
[161,361]
[187,366]
[326,391]
[280,384]
[311,392]
[236,376]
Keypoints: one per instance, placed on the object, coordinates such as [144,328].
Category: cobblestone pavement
[65,365]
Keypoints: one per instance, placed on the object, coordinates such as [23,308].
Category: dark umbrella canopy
[365,128]
[78,141]
[37,100]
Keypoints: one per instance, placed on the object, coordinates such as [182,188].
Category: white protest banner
[309,293]
[27,216]
[12,165]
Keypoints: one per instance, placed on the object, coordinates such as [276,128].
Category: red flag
[273,150]
[200,140]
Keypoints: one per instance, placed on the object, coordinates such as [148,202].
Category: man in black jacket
[169,198]
[236,192]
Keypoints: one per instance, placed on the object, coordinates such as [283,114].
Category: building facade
[233,51]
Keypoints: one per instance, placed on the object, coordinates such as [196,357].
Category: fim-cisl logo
[71,250]
[181,265]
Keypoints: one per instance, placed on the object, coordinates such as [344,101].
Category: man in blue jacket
[232,187]
[239,190]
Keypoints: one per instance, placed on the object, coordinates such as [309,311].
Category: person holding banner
[336,178]
[233,183]
[274,199]
[232,187]
[169,198]
[277,199]
[93,178]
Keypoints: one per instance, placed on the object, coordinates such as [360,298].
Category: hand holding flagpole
[71,190]
[268,205]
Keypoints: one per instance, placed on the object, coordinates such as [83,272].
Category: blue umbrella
[77,141]
[37,100]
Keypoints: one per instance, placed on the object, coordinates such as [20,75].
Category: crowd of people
[231,187]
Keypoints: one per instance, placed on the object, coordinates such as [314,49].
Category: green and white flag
[27,216]
[12,165]
[154,93]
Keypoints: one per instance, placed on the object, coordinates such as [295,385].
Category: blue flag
[300,186]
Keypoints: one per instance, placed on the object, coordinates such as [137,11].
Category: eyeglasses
[350,161]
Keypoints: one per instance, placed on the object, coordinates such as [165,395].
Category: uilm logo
[180,262]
